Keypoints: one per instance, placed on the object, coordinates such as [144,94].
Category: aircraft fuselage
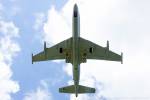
[76,35]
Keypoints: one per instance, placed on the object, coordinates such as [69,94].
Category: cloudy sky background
[25,25]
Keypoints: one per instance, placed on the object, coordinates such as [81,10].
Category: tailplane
[80,89]
[67,89]
[84,89]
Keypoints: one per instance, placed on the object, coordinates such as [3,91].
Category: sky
[26,24]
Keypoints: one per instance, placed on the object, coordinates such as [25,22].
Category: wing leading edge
[90,50]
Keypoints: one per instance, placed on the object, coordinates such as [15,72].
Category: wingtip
[32,58]
[45,46]
[121,58]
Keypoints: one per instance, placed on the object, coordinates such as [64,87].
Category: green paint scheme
[76,50]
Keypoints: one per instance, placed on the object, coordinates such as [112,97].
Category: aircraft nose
[75,11]
[75,6]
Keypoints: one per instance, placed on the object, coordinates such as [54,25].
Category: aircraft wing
[89,50]
[61,50]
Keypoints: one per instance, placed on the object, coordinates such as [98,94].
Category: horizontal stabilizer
[67,89]
[84,89]
[80,89]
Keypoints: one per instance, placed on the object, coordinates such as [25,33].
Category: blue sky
[27,75]
[25,25]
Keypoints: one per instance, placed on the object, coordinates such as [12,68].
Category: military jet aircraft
[76,50]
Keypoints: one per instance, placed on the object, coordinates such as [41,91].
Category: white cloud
[126,26]
[8,49]
[9,29]
[41,93]
[9,11]
[39,20]
[58,26]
